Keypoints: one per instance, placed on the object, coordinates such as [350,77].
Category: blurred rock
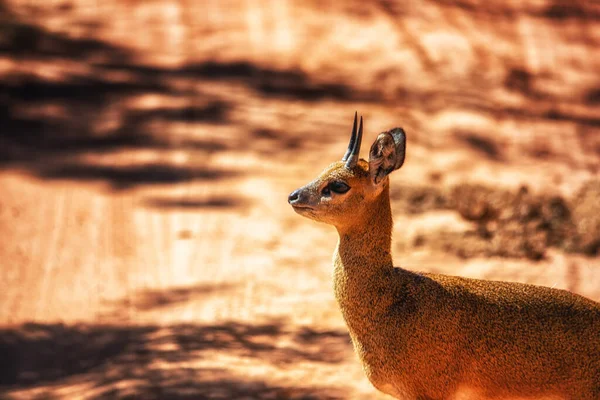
[509,224]
[586,218]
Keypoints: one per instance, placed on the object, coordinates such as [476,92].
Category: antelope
[432,336]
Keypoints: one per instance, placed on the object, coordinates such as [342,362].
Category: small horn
[353,159]
[352,139]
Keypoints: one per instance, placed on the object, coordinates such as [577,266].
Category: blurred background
[147,149]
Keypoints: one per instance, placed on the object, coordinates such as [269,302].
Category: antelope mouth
[301,207]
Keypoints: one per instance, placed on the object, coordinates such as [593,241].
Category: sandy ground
[148,148]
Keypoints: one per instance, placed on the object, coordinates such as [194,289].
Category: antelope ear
[387,154]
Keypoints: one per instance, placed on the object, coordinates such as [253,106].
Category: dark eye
[338,187]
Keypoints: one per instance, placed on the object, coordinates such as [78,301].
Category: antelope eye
[338,187]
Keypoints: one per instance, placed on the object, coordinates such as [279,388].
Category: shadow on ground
[153,299]
[52,127]
[161,362]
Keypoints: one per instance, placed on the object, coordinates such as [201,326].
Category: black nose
[294,196]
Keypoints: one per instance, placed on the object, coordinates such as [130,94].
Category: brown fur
[430,336]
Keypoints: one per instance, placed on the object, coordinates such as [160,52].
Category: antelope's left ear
[387,154]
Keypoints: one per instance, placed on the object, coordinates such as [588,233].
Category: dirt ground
[147,149]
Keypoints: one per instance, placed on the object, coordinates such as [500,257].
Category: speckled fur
[429,336]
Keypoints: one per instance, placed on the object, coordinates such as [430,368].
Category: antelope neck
[365,248]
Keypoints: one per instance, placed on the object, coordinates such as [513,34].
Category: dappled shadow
[124,177]
[592,97]
[53,127]
[152,299]
[520,80]
[26,41]
[211,203]
[50,125]
[484,145]
[567,10]
[158,362]
[558,10]
[268,82]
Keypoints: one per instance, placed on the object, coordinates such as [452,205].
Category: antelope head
[344,191]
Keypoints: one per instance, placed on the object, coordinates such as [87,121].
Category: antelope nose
[294,196]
